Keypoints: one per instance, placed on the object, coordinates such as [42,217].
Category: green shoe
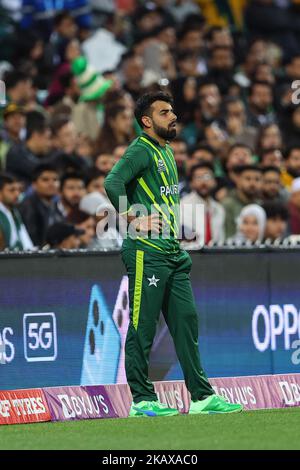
[213,404]
[151,408]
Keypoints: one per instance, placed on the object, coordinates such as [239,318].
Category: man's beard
[251,195]
[167,134]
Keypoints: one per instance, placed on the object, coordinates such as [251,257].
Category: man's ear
[146,121]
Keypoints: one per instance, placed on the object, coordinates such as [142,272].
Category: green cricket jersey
[147,175]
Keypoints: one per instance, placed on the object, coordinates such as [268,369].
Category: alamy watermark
[2,93]
[185,222]
[2,353]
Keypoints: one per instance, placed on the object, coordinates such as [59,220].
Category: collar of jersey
[154,141]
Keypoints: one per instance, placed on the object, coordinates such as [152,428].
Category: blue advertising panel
[63,319]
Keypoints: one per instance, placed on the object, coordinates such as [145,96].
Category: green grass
[264,429]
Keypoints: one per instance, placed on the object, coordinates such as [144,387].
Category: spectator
[251,224]
[104,162]
[217,139]
[63,236]
[207,110]
[118,153]
[248,191]
[39,210]
[22,159]
[221,64]
[93,87]
[108,229]
[271,21]
[180,150]
[294,208]
[291,127]
[41,14]
[219,36]
[209,101]
[65,140]
[18,87]
[95,181]
[13,234]
[14,124]
[271,157]
[85,222]
[117,129]
[132,72]
[202,153]
[238,154]
[277,221]
[269,137]
[236,123]
[272,190]
[72,190]
[202,184]
[260,104]
[64,30]
[291,167]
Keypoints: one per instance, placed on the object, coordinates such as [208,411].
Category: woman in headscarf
[251,225]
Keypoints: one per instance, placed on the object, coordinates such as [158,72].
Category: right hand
[151,223]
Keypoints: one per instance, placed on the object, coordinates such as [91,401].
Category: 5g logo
[40,337]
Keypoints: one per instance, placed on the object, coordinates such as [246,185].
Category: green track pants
[159,282]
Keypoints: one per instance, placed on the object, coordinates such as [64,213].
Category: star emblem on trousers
[153,281]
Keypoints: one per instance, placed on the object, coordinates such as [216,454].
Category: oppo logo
[276,321]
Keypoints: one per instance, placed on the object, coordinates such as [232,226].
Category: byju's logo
[40,337]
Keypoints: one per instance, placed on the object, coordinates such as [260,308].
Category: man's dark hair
[206,81]
[221,48]
[232,100]
[289,150]
[78,217]
[7,178]
[35,122]
[265,152]
[42,168]
[71,176]
[239,169]
[13,78]
[259,82]
[275,169]
[92,174]
[205,147]
[144,103]
[238,145]
[200,166]
[59,122]
[61,16]
[212,30]
[179,139]
[276,210]
[185,54]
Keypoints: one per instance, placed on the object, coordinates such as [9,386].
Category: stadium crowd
[73,71]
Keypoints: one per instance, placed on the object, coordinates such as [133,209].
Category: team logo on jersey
[153,281]
[161,166]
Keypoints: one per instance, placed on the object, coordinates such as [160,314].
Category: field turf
[264,429]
